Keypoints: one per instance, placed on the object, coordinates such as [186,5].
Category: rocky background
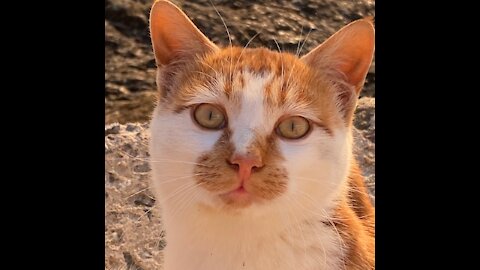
[133,232]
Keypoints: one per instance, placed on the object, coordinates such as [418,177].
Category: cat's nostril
[257,168]
[250,165]
[232,165]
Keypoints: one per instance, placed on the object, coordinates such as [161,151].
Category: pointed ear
[174,36]
[348,53]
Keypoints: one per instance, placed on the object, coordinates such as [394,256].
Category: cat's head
[236,128]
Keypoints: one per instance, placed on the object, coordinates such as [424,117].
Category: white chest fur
[197,240]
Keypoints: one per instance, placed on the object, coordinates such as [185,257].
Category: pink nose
[245,164]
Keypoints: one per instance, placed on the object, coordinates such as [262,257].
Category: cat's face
[250,128]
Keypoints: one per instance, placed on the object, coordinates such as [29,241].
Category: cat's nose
[245,164]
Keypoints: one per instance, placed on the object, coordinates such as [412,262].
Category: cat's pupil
[210,115]
[293,126]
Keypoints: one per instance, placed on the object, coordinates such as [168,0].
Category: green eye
[294,127]
[209,116]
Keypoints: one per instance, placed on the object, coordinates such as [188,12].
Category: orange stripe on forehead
[226,74]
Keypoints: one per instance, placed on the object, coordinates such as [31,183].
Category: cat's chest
[306,247]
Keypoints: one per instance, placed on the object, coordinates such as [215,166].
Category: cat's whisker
[314,206]
[289,230]
[153,160]
[315,180]
[246,46]
[298,55]
[228,34]
[340,238]
[179,190]
[281,59]
[178,161]
[161,161]
[138,192]
[177,200]
[299,226]
[207,65]
[208,75]
[191,195]
[358,190]
[316,233]
[176,179]
[299,41]
[335,227]
[146,213]
[305,41]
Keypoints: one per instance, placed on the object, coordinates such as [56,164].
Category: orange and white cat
[251,151]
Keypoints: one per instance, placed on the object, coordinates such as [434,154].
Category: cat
[251,151]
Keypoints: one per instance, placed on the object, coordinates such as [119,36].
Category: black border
[54,181]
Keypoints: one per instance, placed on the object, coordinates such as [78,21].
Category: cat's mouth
[239,197]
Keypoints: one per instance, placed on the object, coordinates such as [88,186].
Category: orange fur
[355,220]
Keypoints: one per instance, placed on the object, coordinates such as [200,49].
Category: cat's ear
[174,36]
[345,58]
[348,53]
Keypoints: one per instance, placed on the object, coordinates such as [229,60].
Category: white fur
[251,117]
[285,233]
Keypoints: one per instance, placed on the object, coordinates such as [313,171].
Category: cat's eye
[294,127]
[209,116]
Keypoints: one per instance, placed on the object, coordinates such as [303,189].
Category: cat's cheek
[177,134]
[315,166]
[176,143]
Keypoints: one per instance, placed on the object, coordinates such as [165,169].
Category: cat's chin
[239,198]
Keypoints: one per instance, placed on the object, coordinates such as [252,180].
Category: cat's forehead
[258,60]
[282,80]
[237,77]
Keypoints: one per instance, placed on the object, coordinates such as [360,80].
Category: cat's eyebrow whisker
[298,55]
[228,34]
[299,41]
[241,53]
[281,59]
[305,41]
